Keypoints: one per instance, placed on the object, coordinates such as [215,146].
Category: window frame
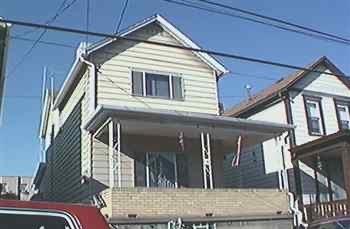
[346,104]
[72,223]
[170,77]
[318,101]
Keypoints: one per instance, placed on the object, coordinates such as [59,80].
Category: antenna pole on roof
[43,88]
[248,87]
[52,91]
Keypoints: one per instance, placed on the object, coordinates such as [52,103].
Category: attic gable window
[343,115]
[165,86]
[313,110]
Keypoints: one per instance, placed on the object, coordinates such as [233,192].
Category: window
[343,115]
[314,116]
[13,220]
[165,86]
[167,170]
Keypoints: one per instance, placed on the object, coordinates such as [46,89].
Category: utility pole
[19,181]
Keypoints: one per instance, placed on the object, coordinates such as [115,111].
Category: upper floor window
[314,116]
[166,86]
[343,115]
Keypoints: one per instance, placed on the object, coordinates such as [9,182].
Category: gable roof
[161,21]
[172,30]
[276,89]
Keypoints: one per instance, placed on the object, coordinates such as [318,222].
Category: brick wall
[190,202]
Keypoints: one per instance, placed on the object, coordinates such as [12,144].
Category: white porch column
[114,154]
[206,158]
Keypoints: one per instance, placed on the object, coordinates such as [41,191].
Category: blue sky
[19,143]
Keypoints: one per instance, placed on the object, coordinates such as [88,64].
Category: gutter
[103,112]
[71,76]
[92,85]
[298,215]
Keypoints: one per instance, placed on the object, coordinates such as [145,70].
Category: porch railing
[326,209]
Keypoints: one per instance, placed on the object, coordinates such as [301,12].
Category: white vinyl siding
[115,81]
[271,148]
[323,83]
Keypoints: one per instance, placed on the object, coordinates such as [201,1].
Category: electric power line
[274,19]
[25,33]
[61,10]
[53,43]
[138,40]
[121,17]
[190,4]
[87,19]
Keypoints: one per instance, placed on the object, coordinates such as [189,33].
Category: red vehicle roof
[89,217]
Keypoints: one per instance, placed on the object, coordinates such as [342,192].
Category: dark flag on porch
[181,141]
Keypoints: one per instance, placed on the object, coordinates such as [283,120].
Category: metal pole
[204,162]
[175,170]
[147,170]
[209,162]
[110,153]
[118,144]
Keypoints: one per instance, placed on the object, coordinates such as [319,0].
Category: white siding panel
[323,83]
[272,148]
[114,79]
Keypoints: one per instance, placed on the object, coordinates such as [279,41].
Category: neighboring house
[139,124]
[318,105]
[15,185]
[4,38]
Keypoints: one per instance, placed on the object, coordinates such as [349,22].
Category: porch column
[298,183]
[346,170]
[206,158]
[114,147]
[317,185]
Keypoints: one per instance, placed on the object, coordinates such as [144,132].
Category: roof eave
[70,78]
[44,115]
[104,112]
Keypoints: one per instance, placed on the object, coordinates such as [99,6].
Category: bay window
[166,86]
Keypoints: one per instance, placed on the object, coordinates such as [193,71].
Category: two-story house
[312,159]
[136,125]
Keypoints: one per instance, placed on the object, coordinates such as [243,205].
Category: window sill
[157,97]
[316,134]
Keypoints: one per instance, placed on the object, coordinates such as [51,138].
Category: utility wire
[60,11]
[199,50]
[87,20]
[190,4]
[49,21]
[274,19]
[121,17]
[58,44]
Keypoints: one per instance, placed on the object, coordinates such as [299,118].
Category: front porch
[160,165]
[329,158]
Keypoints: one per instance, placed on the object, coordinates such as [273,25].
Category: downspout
[92,101]
[293,204]
[298,215]
[92,86]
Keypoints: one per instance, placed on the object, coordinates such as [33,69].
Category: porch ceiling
[326,146]
[170,123]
